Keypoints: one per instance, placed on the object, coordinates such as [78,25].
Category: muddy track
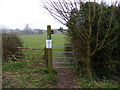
[65,77]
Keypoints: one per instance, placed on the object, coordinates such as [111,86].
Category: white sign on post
[48,43]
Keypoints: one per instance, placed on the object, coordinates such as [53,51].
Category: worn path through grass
[65,78]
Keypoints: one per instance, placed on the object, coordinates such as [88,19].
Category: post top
[48,25]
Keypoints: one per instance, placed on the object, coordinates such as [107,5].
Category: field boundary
[24,54]
[29,48]
[62,58]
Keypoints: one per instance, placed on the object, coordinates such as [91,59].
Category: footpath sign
[48,43]
[49,49]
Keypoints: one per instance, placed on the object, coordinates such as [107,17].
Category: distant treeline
[25,31]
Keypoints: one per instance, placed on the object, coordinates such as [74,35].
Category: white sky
[17,13]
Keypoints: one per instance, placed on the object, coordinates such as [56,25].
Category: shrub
[104,62]
[9,42]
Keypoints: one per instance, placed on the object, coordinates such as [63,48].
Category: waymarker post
[49,49]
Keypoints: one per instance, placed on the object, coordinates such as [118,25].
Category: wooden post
[1,56]
[45,57]
[49,50]
[48,32]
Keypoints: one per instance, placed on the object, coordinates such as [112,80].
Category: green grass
[13,66]
[30,72]
[48,79]
[38,41]
[19,75]
[33,41]
[85,83]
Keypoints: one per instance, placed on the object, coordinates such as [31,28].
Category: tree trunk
[88,61]
[88,67]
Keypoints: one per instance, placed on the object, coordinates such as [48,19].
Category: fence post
[49,49]
[45,57]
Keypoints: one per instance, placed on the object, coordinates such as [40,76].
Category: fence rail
[63,61]
[29,48]
[62,46]
[63,58]
[25,54]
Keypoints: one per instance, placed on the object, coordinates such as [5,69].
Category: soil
[65,77]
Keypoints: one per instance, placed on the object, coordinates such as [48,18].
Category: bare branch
[108,43]
[108,31]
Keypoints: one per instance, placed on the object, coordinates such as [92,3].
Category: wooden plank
[63,58]
[63,62]
[29,48]
[24,53]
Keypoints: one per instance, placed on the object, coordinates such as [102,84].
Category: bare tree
[62,10]
[27,29]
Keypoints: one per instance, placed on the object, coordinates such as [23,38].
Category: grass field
[38,41]
[30,73]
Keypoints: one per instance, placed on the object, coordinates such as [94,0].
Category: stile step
[63,62]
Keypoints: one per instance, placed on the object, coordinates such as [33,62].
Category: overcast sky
[17,13]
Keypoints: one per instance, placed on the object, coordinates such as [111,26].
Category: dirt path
[65,77]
